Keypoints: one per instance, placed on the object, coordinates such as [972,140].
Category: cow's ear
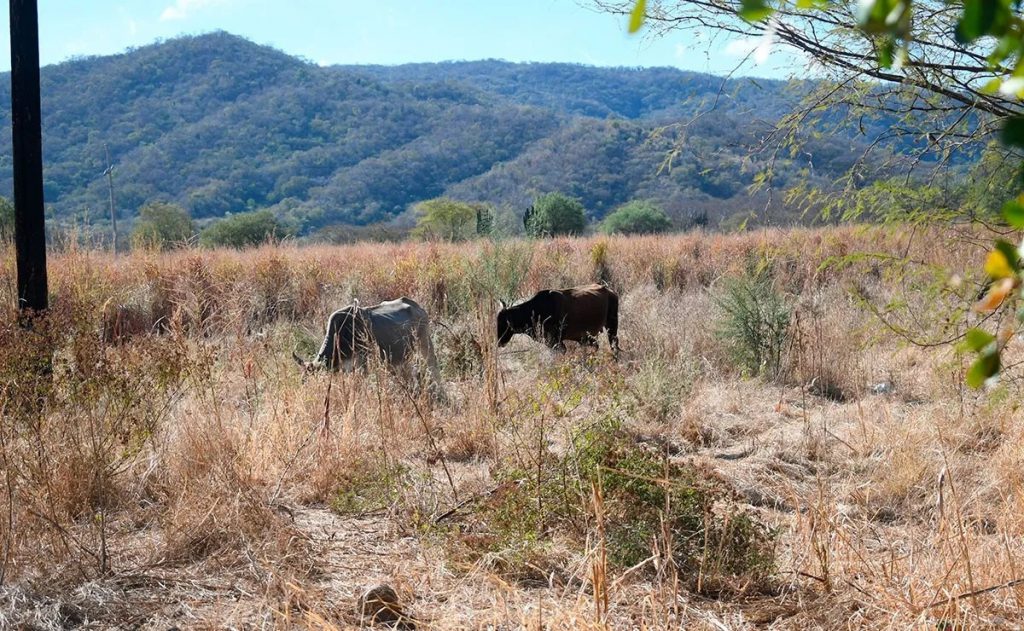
[355,303]
[503,304]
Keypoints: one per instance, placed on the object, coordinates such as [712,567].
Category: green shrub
[555,214]
[243,229]
[368,485]
[163,226]
[755,324]
[644,496]
[6,220]
[637,217]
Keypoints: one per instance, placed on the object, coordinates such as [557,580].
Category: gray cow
[395,330]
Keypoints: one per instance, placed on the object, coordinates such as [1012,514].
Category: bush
[708,535]
[163,226]
[243,229]
[555,214]
[6,220]
[755,326]
[637,217]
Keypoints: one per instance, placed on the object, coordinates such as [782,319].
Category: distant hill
[219,125]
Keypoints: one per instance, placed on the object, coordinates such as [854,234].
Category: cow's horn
[504,305]
[299,360]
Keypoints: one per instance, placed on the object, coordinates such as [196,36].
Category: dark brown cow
[556,315]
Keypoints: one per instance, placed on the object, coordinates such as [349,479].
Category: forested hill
[219,124]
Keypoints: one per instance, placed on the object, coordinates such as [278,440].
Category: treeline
[219,126]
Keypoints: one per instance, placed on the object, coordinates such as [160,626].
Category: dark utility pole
[26,125]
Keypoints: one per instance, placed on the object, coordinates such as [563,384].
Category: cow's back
[395,324]
[586,310]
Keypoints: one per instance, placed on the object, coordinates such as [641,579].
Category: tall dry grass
[177,449]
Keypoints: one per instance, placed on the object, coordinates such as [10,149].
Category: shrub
[6,220]
[163,226]
[243,229]
[555,214]
[637,217]
[709,537]
[755,324]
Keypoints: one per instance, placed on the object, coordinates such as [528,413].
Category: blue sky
[383,32]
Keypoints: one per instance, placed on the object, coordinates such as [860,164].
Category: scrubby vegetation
[184,473]
[163,226]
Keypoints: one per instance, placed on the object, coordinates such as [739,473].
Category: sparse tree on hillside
[452,220]
[555,214]
[243,230]
[637,217]
[162,225]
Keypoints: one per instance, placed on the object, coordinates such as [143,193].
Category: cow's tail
[612,320]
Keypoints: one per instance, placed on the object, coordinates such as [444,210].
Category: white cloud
[741,47]
[760,47]
[182,9]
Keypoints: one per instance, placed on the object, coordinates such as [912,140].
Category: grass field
[785,441]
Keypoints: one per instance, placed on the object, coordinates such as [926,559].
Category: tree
[243,229]
[993,179]
[637,217]
[6,220]
[162,225]
[960,58]
[555,214]
[452,220]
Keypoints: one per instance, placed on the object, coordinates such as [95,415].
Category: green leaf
[985,366]
[1013,132]
[1011,253]
[871,15]
[755,10]
[979,18]
[636,17]
[1013,212]
[977,339]
[886,50]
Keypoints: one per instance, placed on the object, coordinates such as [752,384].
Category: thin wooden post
[109,172]
[27,133]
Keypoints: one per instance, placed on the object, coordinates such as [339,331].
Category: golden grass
[184,473]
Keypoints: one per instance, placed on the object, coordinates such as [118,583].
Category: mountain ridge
[221,125]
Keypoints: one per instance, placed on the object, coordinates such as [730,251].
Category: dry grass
[171,467]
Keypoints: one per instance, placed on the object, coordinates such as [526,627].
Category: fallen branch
[976,592]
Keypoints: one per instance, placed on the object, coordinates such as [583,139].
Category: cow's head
[307,367]
[344,332]
[512,320]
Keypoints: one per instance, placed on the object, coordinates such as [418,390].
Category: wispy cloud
[759,47]
[182,9]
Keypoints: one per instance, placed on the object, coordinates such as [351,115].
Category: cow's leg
[553,335]
[426,352]
[612,322]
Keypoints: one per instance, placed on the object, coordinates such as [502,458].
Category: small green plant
[368,486]
[501,269]
[644,496]
[755,324]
